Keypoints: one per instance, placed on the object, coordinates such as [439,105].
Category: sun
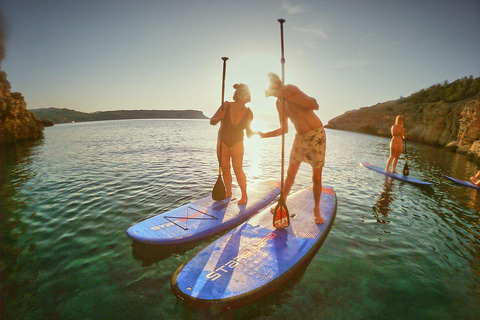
[252,70]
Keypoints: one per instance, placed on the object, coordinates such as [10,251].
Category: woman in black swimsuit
[235,117]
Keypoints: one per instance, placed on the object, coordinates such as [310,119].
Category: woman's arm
[248,129]
[219,115]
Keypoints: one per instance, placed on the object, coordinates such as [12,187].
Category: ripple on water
[394,249]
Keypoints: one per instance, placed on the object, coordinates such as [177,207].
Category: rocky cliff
[453,125]
[16,122]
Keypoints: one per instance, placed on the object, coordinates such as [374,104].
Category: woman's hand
[220,114]
[261,134]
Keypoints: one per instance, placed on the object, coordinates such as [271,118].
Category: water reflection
[65,206]
[382,206]
[474,201]
[15,173]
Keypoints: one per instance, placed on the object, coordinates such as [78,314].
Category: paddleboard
[203,218]
[397,176]
[464,183]
[254,259]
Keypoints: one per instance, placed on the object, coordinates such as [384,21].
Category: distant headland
[63,115]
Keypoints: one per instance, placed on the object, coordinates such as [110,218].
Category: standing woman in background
[396,144]
[235,117]
[476,179]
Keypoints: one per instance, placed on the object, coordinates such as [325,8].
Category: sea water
[395,251]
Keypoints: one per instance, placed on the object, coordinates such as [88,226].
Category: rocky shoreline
[455,126]
[16,122]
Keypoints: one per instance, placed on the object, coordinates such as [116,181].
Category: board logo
[230,265]
[176,221]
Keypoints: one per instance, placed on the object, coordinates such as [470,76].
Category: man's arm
[276,132]
[294,94]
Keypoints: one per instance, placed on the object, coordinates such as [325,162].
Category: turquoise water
[395,251]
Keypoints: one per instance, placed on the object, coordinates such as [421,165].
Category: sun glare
[252,70]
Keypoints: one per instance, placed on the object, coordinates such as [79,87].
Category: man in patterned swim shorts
[310,140]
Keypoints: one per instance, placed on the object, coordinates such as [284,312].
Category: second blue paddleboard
[203,218]
[254,259]
[397,176]
[464,183]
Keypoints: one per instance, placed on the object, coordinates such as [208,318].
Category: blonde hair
[241,91]
[399,120]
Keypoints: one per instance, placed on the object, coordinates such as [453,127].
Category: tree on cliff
[458,90]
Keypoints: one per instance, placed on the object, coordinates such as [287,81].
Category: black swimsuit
[233,133]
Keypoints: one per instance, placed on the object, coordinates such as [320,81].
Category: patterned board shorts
[310,147]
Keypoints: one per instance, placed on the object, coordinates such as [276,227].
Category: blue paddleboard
[397,176]
[203,218]
[254,259]
[464,183]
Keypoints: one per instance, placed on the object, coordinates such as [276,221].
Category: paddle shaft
[219,191]
[405,140]
[221,104]
[406,170]
[282,61]
[281,216]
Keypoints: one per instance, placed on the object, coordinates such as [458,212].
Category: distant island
[63,115]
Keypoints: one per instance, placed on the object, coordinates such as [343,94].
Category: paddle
[406,171]
[281,217]
[219,193]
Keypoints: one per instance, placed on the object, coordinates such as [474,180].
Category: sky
[105,55]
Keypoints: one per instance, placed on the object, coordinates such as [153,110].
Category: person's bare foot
[318,217]
[386,170]
[228,195]
[242,201]
[394,172]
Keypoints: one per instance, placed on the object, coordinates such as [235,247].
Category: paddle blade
[406,172]
[219,193]
[281,217]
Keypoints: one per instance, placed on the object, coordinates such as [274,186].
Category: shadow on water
[14,173]
[150,254]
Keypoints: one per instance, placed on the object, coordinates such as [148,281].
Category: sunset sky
[99,55]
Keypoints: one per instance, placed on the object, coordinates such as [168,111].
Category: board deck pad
[397,176]
[254,259]
[464,183]
[203,218]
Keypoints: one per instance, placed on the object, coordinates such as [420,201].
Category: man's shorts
[309,147]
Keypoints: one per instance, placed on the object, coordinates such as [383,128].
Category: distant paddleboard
[254,259]
[203,218]
[463,183]
[397,176]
